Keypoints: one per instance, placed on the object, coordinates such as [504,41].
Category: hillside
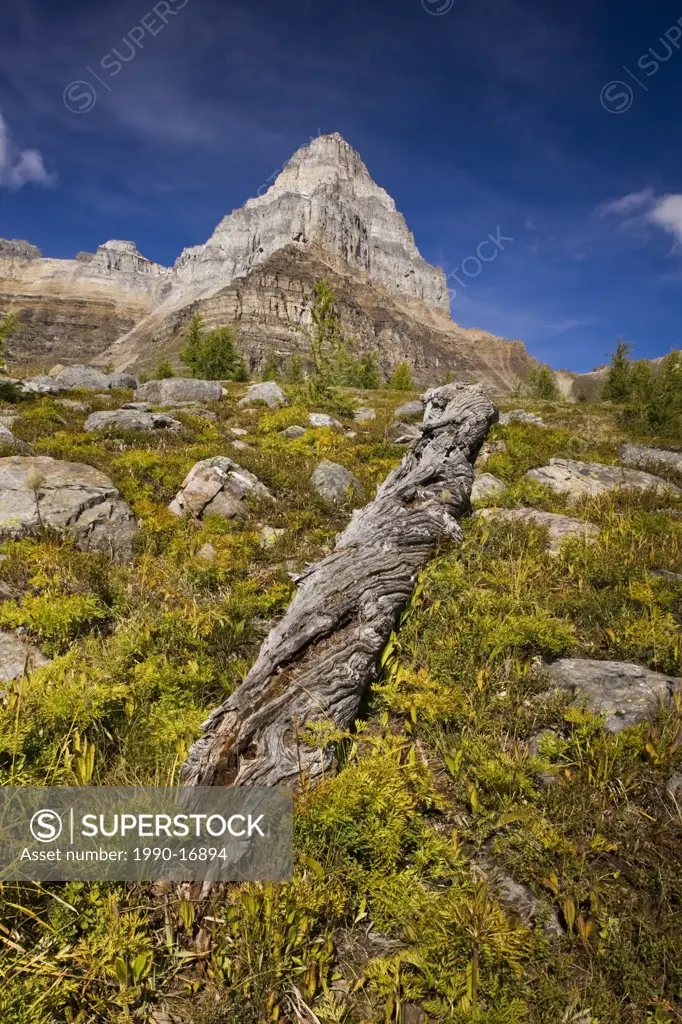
[499,838]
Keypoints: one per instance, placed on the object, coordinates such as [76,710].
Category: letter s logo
[46,826]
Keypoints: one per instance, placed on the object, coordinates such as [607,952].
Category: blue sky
[477,116]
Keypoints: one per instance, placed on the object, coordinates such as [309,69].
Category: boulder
[219,486]
[121,380]
[268,392]
[489,449]
[130,419]
[238,431]
[364,415]
[269,536]
[403,433]
[521,416]
[409,410]
[17,657]
[8,440]
[69,497]
[179,389]
[641,457]
[334,483]
[291,433]
[138,406]
[581,479]
[56,369]
[559,528]
[241,446]
[71,403]
[623,694]
[321,419]
[39,386]
[487,486]
[82,378]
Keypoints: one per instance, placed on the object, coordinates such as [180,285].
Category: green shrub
[212,355]
[164,370]
[401,378]
[542,384]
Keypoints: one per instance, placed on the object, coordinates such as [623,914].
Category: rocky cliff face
[323,217]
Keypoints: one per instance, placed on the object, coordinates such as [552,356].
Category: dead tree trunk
[317,662]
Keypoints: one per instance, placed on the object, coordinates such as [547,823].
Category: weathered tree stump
[317,662]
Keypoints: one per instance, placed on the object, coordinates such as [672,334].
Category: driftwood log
[316,663]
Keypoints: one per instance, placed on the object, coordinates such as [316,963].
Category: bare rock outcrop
[590,479]
[622,693]
[650,458]
[129,419]
[559,528]
[334,483]
[179,389]
[69,497]
[217,486]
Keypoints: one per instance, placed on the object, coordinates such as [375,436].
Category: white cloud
[667,213]
[20,167]
[645,207]
[630,203]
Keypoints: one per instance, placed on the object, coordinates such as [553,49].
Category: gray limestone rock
[269,536]
[487,486]
[19,249]
[582,479]
[8,440]
[219,486]
[130,419]
[70,497]
[17,657]
[558,527]
[71,403]
[292,433]
[364,415]
[121,380]
[321,419]
[663,574]
[179,389]
[81,378]
[521,900]
[622,693]
[239,431]
[649,458]
[334,483]
[268,392]
[521,416]
[403,433]
[409,410]
[42,385]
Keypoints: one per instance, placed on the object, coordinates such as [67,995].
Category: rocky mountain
[324,216]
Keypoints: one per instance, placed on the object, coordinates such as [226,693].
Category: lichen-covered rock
[70,497]
[521,416]
[292,433]
[364,415]
[403,433]
[409,410]
[334,483]
[559,528]
[268,392]
[8,440]
[217,486]
[641,457]
[583,479]
[622,693]
[130,419]
[41,385]
[487,486]
[179,389]
[321,419]
[82,378]
[121,380]
[17,657]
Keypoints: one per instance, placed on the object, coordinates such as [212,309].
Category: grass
[389,908]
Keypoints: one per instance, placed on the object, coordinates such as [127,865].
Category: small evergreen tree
[212,355]
[542,384]
[293,371]
[618,383]
[329,349]
[369,373]
[164,370]
[270,369]
[401,378]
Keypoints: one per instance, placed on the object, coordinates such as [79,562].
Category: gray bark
[316,663]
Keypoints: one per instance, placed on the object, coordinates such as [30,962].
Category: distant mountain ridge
[323,216]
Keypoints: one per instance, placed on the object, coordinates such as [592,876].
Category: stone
[238,431]
[520,899]
[536,741]
[82,378]
[18,658]
[19,248]
[241,446]
[39,386]
[71,403]
[403,433]
[138,406]
[559,528]
[189,409]
[130,419]
[674,788]
[69,497]
[622,693]
[642,458]
[175,390]
[321,419]
[121,380]
[589,479]
[487,486]
[521,416]
[364,415]
[489,449]
[218,486]
[334,483]
[291,433]
[56,370]
[207,553]
[268,392]
[8,440]
[269,536]
[673,577]
[409,410]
